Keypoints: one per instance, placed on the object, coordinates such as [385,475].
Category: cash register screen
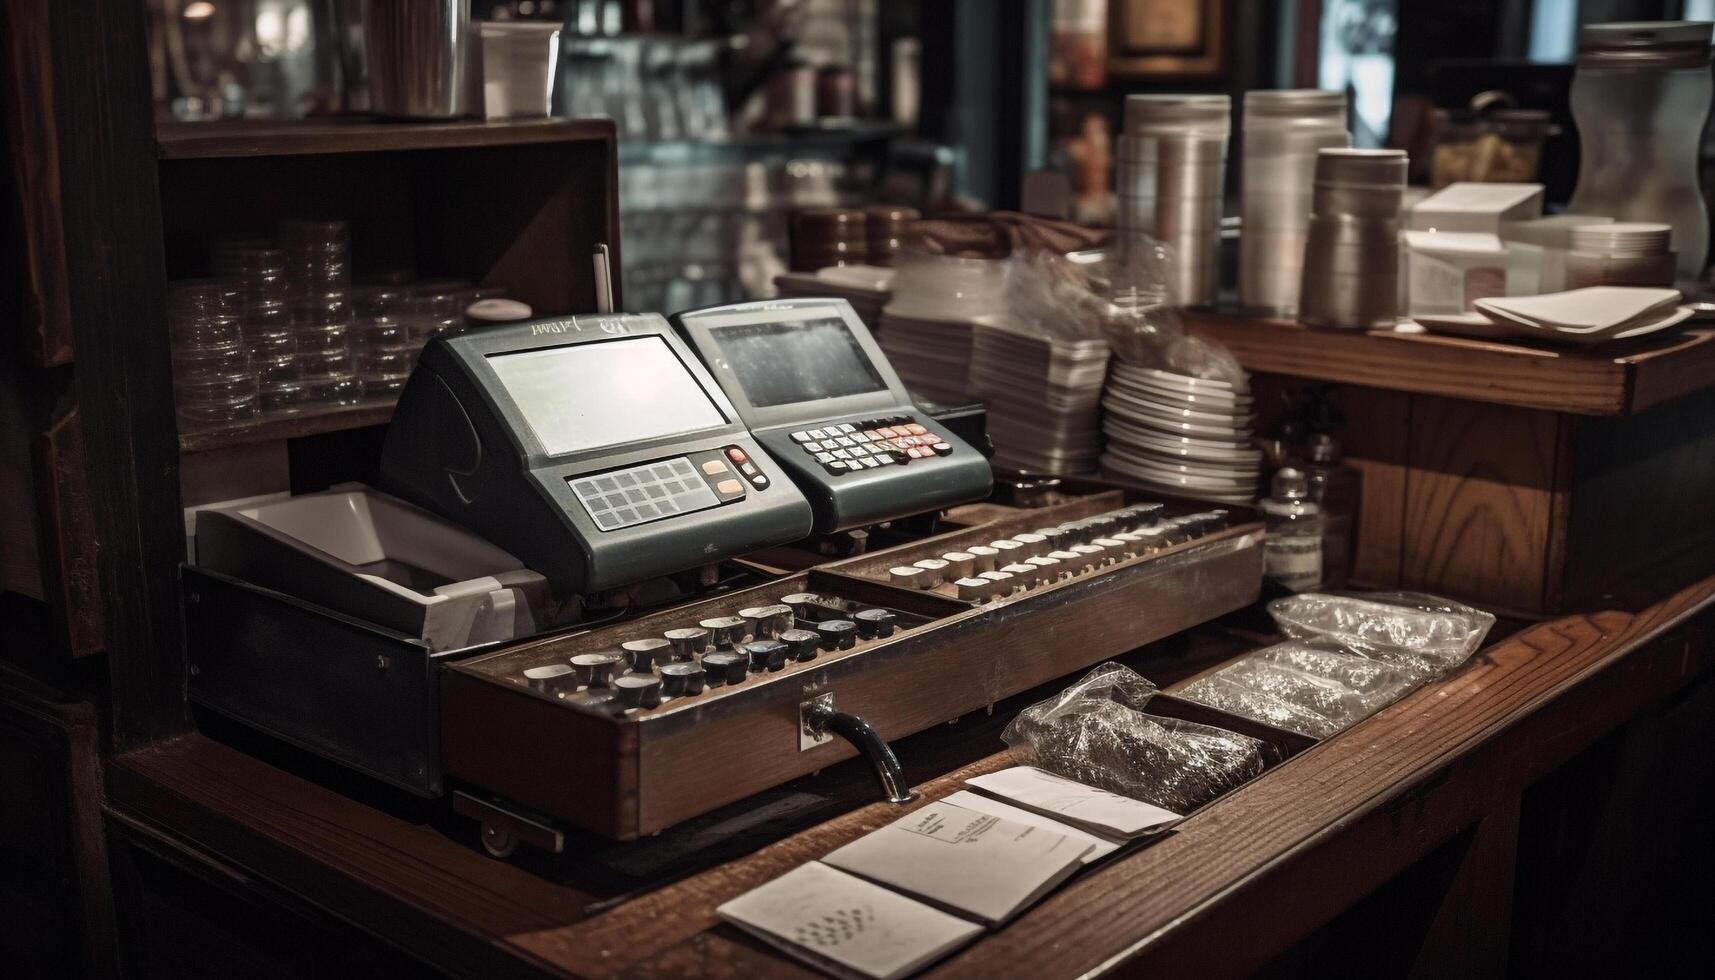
[780,363]
[586,396]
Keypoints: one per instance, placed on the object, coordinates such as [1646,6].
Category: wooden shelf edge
[332,418]
[1567,381]
[249,138]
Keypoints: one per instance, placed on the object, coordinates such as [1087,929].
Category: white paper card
[1100,847]
[964,861]
[846,925]
[1083,806]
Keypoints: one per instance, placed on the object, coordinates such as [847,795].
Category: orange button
[729,487]
[715,467]
[915,429]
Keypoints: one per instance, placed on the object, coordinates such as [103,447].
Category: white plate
[1467,325]
[1118,403]
[1194,408]
[1193,449]
[1181,382]
[1249,472]
[1206,401]
[1144,425]
[1628,332]
[1593,308]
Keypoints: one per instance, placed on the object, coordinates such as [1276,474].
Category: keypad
[851,447]
[667,488]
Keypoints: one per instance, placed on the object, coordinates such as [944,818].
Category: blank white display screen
[587,396]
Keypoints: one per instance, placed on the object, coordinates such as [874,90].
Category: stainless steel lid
[1274,106]
[1356,167]
[1645,44]
[1184,113]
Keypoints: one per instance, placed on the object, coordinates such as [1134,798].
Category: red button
[736,454]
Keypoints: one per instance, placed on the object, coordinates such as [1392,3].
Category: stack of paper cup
[1171,168]
[1283,131]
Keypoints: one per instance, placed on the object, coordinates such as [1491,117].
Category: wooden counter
[1525,477]
[1434,805]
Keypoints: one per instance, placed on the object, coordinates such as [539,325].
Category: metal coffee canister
[1171,172]
[1283,131]
[417,52]
[1351,255]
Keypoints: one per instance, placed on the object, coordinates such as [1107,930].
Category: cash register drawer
[632,774]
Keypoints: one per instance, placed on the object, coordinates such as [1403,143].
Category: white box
[1474,207]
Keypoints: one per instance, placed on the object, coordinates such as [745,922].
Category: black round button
[874,624]
[595,669]
[644,654]
[724,667]
[688,643]
[680,680]
[765,655]
[801,644]
[638,690]
[837,634]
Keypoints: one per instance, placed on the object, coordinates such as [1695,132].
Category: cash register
[597,449]
[811,384]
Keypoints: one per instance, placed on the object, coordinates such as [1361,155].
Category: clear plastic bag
[1303,688]
[1094,732]
[1423,633]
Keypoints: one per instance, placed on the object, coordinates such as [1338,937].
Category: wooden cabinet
[1522,478]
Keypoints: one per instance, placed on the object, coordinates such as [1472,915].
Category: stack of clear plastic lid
[213,377]
[318,276]
[260,272]
[382,339]
[437,307]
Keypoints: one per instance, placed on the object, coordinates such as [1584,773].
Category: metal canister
[416,52]
[1351,255]
[1171,168]
[1284,129]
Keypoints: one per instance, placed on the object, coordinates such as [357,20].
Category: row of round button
[719,650]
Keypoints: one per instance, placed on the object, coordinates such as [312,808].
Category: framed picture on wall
[1167,38]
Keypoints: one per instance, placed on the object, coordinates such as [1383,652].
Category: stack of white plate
[1586,317]
[1176,434]
[867,287]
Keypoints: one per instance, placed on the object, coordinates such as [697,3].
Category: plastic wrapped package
[1302,688]
[1424,633]
[1227,694]
[1094,732]
[1374,679]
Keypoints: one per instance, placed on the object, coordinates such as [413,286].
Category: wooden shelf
[261,138]
[1622,381]
[275,428]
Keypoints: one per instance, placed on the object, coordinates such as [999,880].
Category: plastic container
[1292,553]
[1630,253]
[1283,132]
[1640,97]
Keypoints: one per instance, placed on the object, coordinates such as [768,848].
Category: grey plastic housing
[846,500]
[461,447]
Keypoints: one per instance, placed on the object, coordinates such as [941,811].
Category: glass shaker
[1640,97]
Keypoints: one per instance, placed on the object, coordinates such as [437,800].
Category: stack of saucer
[866,287]
[1589,316]
[1176,434]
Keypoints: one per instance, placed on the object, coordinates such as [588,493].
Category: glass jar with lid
[1640,97]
